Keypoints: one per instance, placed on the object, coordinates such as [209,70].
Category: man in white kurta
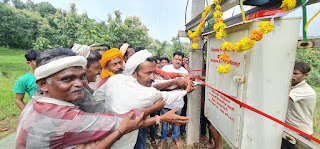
[124,92]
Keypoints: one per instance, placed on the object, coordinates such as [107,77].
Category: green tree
[131,31]
[90,32]
[30,5]
[311,57]
[45,8]
[178,46]
[158,48]
[6,1]
[19,4]
[19,28]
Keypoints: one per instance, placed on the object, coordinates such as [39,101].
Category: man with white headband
[133,89]
[50,120]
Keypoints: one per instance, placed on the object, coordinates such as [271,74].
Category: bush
[42,44]
[311,57]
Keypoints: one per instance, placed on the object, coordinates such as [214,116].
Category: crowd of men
[100,97]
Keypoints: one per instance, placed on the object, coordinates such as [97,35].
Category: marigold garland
[224,57]
[195,46]
[195,39]
[218,7]
[217,2]
[227,46]
[288,4]
[194,35]
[244,44]
[219,25]
[223,69]
[256,35]
[221,33]
[218,14]
[266,27]
[218,20]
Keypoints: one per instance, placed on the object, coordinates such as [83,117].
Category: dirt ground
[169,144]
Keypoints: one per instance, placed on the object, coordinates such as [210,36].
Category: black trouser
[184,113]
[204,122]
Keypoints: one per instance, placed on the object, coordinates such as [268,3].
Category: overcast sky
[163,18]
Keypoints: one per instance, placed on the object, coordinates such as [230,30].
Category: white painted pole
[194,98]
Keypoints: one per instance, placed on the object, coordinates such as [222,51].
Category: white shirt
[301,106]
[170,68]
[123,93]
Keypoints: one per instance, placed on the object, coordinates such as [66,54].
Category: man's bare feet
[203,139]
[154,144]
[178,143]
[211,144]
[160,143]
[218,147]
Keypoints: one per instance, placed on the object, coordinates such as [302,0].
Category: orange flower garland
[256,35]
[224,57]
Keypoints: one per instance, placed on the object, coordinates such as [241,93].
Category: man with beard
[302,102]
[133,90]
[111,63]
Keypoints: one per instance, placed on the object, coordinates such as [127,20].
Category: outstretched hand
[171,117]
[190,87]
[128,124]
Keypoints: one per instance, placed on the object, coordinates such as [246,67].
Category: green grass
[316,116]
[12,66]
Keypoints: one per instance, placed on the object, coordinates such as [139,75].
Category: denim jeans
[142,137]
[164,127]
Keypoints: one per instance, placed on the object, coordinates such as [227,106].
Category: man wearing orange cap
[111,64]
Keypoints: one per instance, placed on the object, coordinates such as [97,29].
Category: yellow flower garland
[227,46]
[194,46]
[245,43]
[266,27]
[194,35]
[223,69]
[219,25]
[288,4]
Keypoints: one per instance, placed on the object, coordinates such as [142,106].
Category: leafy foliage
[311,57]
[42,44]
[29,25]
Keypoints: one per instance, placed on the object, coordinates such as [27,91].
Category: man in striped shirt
[50,120]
